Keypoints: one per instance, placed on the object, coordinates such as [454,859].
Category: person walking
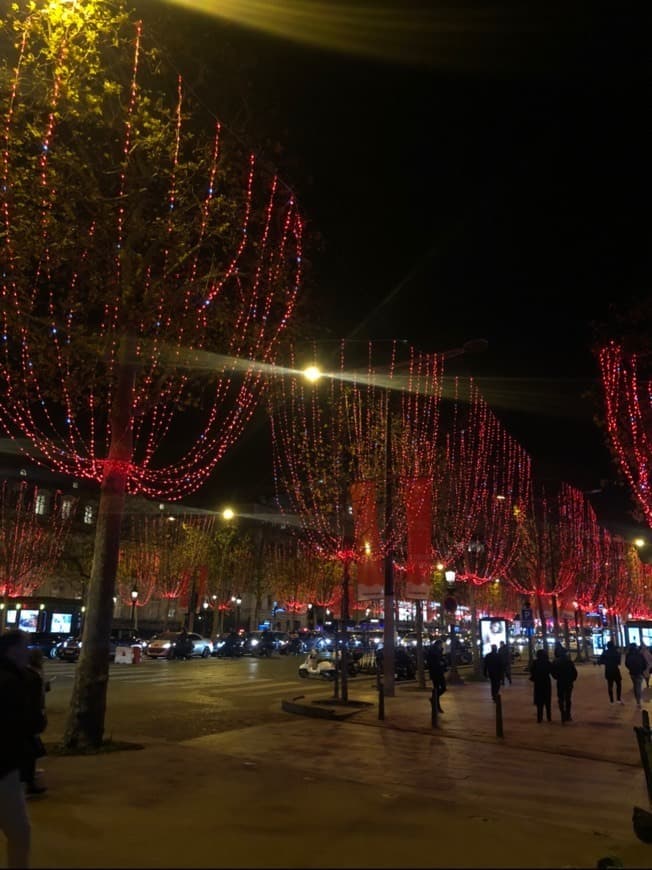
[610,658]
[15,730]
[540,676]
[36,687]
[565,673]
[635,664]
[437,670]
[493,668]
[647,655]
[506,658]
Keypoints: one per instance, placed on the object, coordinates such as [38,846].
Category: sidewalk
[599,730]
[307,793]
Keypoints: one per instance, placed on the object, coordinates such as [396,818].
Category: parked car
[163,645]
[71,649]
[47,642]
[229,645]
[254,645]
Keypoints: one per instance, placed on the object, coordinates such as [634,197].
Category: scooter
[314,666]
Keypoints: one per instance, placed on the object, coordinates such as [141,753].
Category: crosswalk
[228,679]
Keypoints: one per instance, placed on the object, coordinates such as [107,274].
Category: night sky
[498,188]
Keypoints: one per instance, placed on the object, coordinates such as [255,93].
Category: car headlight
[254,642]
[166,645]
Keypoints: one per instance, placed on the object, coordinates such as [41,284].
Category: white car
[162,646]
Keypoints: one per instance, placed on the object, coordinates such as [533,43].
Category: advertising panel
[28,620]
[61,623]
[492,630]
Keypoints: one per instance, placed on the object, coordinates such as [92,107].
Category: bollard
[499,716]
[434,703]
[381,701]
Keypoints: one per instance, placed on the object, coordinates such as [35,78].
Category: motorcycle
[313,666]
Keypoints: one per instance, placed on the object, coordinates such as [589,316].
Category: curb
[316,712]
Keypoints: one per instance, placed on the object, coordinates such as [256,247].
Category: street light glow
[312,374]
[228,513]
[639,542]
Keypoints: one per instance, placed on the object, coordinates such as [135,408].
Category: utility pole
[388,622]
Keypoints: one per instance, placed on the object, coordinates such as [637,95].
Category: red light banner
[418,512]
[367,540]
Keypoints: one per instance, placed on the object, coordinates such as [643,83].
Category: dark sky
[498,188]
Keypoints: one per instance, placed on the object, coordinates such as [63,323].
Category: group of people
[23,720]
[497,667]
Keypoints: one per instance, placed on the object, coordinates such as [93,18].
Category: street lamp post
[134,613]
[238,602]
[454,677]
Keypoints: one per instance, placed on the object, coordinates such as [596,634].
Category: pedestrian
[183,646]
[15,730]
[610,658]
[37,688]
[635,664]
[540,676]
[565,673]
[437,670]
[506,658]
[647,655]
[493,668]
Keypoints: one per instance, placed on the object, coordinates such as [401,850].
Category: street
[180,700]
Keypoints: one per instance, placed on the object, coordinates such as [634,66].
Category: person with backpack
[610,658]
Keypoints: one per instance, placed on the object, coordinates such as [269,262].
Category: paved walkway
[600,730]
[312,793]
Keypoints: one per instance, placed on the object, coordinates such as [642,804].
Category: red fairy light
[628,412]
[30,544]
[482,489]
[330,436]
[127,292]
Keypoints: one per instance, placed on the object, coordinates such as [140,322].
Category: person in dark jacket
[506,658]
[15,730]
[437,669]
[610,658]
[36,687]
[540,676]
[636,665]
[565,673]
[493,668]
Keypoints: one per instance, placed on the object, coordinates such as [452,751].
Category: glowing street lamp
[228,514]
[312,374]
[134,615]
[639,542]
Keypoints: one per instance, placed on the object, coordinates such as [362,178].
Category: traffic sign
[527,616]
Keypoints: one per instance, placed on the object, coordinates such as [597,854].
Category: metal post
[388,624]
[499,716]
[434,704]
[381,699]
[421,671]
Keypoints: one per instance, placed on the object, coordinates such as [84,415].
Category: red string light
[69,314]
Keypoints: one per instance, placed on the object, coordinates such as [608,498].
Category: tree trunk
[344,613]
[542,617]
[475,636]
[421,671]
[555,618]
[85,725]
